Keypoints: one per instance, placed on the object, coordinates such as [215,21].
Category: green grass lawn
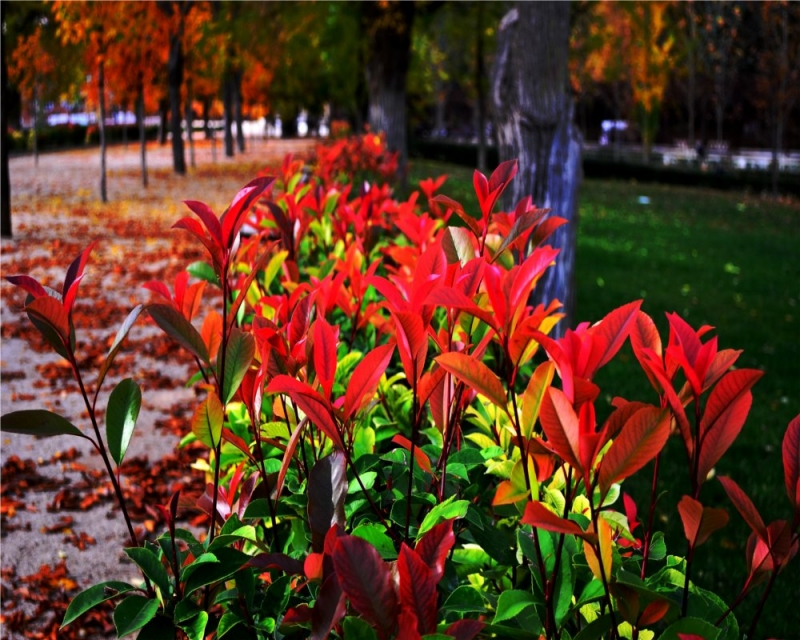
[725,259]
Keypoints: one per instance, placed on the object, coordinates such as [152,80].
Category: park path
[57,510]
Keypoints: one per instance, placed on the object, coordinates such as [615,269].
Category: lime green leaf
[511,603]
[195,628]
[123,410]
[207,421]
[447,510]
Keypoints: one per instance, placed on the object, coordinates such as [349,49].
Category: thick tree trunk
[388,30]
[142,133]
[534,117]
[163,114]
[480,80]
[189,120]
[227,106]
[5,182]
[35,128]
[101,91]
[238,109]
[175,79]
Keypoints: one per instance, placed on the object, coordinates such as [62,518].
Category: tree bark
[227,106]
[163,110]
[480,80]
[238,109]
[142,132]
[175,79]
[5,182]
[692,70]
[189,119]
[534,116]
[101,91]
[388,31]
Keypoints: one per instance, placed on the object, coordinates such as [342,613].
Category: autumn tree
[95,27]
[534,115]
[778,82]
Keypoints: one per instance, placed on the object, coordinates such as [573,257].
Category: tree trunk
[238,109]
[480,80]
[175,79]
[142,132]
[692,70]
[388,31]
[189,119]
[35,128]
[101,91]
[534,117]
[227,106]
[162,121]
[5,182]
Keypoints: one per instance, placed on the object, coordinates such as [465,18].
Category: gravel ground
[56,212]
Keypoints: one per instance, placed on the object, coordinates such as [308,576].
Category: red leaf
[533,267]
[451,298]
[75,272]
[640,440]
[365,379]
[744,506]
[434,546]
[313,405]
[791,461]
[53,313]
[699,522]
[419,455]
[325,342]
[412,343]
[233,218]
[644,334]
[31,285]
[653,612]
[728,390]
[328,610]
[561,426]
[465,629]
[537,515]
[417,589]
[367,582]
[717,437]
[503,174]
[475,375]
[609,334]
[208,217]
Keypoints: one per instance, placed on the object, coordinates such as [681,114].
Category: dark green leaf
[179,329]
[229,561]
[597,629]
[91,597]
[151,566]
[238,355]
[464,600]
[39,422]
[159,628]
[511,603]
[358,629]
[133,613]
[695,626]
[228,621]
[123,410]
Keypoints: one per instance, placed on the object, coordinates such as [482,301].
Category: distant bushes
[603,168]
[68,136]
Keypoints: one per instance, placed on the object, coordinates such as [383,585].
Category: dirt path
[57,509]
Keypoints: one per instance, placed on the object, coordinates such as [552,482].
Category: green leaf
[185,610]
[246,532]
[91,597]
[150,564]
[207,421]
[229,561]
[375,534]
[464,600]
[228,621]
[447,510]
[39,422]
[179,329]
[511,604]
[695,626]
[195,628]
[596,629]
[203,271]
[122,332]
[358,629]
[123,410]
[133,613]
[238,355]
[658,548]
[273,266]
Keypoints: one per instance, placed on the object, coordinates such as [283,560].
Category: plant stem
[752,629]
[685,601]
[414,435]
[648,534]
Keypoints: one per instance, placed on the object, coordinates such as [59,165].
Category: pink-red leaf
[744,506]
[640,440]
[434,547]
[365,379]
[208,217]
[561,426]
[417,589]
[234,217]
[791,461]
[310,402]
[475,375]
[31,285]
[699,522]
[727,391]
[465,629]
[717,437]
[419,455]
[367,582]
[53,313]
[537,515]
[325,343]
[609,334]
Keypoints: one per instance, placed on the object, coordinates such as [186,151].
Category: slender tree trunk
[189,119]
[388,30]
[480,86]
[5,182]
[101,90]
[692,70]
[175,78]
[238,109]
[534,116]
[35,128]
[718,108]
[163,110]
[227,106]
[142,132]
